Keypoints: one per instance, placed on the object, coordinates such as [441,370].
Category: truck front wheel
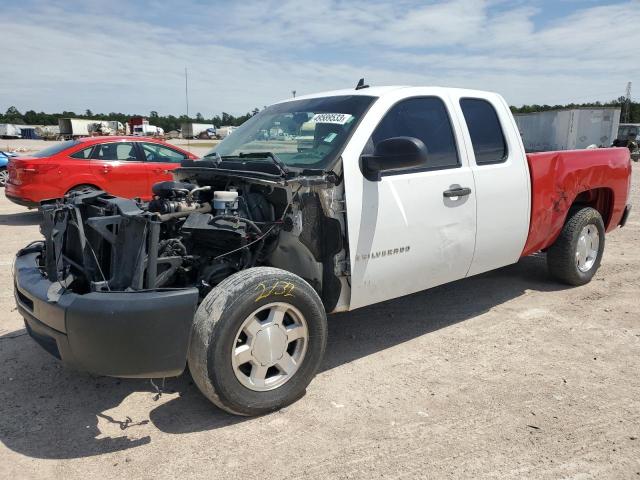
[575,256]
[258,339]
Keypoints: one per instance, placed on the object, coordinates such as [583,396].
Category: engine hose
[231,218]
[206,208]
[253,257]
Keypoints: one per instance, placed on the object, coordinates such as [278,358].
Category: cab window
[120,151]
[427,119]
[489,145]
[159,153]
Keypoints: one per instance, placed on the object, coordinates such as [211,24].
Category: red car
[122,166]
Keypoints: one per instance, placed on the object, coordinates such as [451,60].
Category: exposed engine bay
[209,223]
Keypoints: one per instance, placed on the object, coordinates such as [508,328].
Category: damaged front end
[187,237]
[114,286]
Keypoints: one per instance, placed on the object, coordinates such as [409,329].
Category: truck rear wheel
[575,256]
[258,339]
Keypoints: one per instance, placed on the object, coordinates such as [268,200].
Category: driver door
[405,233]
[120,170]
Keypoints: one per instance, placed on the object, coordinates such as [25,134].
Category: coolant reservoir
[225,201]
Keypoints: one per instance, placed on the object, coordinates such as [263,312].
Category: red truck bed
[600,178]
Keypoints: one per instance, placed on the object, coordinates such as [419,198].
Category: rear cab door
[405,233]
[120,169]
[160,161]
[501,176]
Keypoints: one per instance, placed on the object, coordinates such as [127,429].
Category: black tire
[561,256]
[218,321]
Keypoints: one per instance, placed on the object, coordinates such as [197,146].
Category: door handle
[106,168]
[159,170]
[457,192]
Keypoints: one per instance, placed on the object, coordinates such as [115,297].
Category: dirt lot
[504,375]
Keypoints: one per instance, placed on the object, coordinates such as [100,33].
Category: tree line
[166,122]
[171,122]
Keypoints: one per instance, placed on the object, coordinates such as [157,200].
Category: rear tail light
[11,168]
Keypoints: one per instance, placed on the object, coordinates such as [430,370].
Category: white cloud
[253,53]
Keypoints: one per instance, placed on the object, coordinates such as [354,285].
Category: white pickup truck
[232,267]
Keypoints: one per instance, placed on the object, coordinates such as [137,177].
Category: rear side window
[83,154]
[486,133]
[425,118]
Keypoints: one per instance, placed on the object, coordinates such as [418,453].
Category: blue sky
[130,56]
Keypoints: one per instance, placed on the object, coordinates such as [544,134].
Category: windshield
[628,130]
[301,133]
[52,150]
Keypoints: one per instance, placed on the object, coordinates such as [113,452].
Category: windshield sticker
[336,118]
[329,138]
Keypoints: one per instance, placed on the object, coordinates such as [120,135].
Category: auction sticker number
[335,118]
[279,288]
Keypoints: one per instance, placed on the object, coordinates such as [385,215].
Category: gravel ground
[503,375]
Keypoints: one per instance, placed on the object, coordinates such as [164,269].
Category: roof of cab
[368,91]
[381,91]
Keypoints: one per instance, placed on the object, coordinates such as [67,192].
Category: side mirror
[393,154]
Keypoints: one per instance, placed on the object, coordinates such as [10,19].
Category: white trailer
[571,129]
[75,127]
[193,130]
[9,130]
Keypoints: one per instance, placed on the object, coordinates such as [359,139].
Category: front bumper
[120,334]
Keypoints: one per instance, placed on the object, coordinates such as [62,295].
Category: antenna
[361,85]
[626,108]
[186,97]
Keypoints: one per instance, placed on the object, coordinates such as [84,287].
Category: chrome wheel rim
[270,346]
[587,248]
[4,177]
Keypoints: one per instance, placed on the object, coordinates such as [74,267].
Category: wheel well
[85,185]
[600,199]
